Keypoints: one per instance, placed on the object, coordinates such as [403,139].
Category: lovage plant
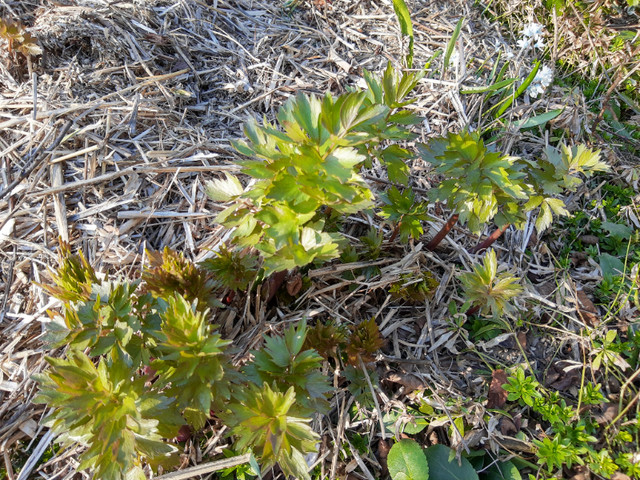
[306,167]
[481,185]
[144,359]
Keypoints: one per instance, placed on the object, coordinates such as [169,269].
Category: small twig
[375,397]
[25,172]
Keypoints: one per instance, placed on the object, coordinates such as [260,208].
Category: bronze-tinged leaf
[364,341]
[497,395]
[326,338]
[74,278]
[169,273]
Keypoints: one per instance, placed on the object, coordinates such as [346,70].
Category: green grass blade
[520,90]
[406,27]
[451,45]
[489,88]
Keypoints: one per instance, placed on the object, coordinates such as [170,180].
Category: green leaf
[617,230]
[520,90]
[394,158]
[538,119]
[545,217]
[490,88]
[611,266]
[502,471]
[444,466]
[451,45]
[406,27]
[221,190]
[407,461]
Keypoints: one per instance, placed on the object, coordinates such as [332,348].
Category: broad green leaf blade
[538,119]
[618,230]
[444,466]
[611,266]
[451,45]
[502,471]
[407,461]
[406,27]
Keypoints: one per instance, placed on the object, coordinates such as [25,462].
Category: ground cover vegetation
[485,323]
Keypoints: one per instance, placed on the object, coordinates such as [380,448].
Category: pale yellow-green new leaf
[223,190]
[489,289]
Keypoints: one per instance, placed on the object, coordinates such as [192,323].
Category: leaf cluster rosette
[191,361]
[142,360]
[275,427]
[479,185]
[106,410]
[489,290]
[170,272]
[282,362]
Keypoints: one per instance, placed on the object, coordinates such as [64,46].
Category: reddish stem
[473,310]
[435,241]
[487,242]
[394,234]
[274,282]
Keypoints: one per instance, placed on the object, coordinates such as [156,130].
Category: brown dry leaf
[620,476]
[473,438]
[409,382]
[587,310]
[604,414]
[294,284]
[497,395]
[579,472]
[507,427]
[522,339]
[383,453]
[579,259]
[563,375]
[589,239]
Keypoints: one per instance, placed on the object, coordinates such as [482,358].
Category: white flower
[533,30]
[532,34]
[454,59]
[541,81]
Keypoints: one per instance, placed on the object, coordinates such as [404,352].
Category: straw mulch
[107,140]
